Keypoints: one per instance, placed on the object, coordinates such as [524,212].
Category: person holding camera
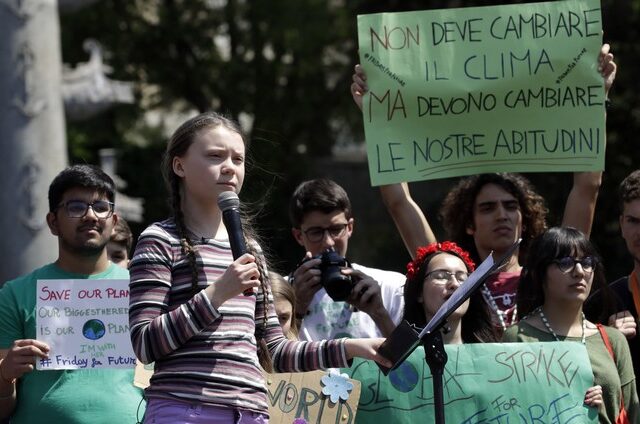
[335,298]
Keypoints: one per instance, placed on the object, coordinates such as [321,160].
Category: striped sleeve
[156,330]
[289,355]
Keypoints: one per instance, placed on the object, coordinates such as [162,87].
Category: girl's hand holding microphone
[243,274]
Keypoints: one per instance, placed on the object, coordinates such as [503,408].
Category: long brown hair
[178,145]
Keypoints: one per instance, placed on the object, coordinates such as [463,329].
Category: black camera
[337,285]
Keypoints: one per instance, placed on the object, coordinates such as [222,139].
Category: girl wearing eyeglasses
[561,269]
[187,310]
[436,272]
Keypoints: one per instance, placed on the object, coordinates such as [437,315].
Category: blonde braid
[185,242]
[178,145]
[264,356]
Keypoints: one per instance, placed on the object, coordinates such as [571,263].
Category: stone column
[32,131]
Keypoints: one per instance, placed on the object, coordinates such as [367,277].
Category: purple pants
[164,411]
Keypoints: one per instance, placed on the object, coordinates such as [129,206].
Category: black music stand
[404,339]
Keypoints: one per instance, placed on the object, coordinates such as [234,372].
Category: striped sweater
[202,354]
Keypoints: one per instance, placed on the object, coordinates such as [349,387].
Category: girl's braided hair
[178,145]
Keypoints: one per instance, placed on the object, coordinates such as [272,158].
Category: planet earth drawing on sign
[93,329]
[405,377]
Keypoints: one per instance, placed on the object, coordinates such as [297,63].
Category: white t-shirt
[327,319]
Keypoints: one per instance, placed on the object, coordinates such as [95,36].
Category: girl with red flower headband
[436,272]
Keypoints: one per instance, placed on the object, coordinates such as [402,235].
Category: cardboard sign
[85,323]
[299,395]
[462,91]
[292,396]
[524,383]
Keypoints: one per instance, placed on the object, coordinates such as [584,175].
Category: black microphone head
[228,200]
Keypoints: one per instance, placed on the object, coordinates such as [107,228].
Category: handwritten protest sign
[299,395]
[525,383]
[291,396]
[85,323]
[504,88]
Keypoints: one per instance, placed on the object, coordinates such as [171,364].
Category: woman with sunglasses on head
[561,269]
[436,272]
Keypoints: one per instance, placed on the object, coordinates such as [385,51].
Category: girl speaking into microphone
[188,313]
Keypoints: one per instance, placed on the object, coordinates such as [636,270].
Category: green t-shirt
[611,376]
[63,396]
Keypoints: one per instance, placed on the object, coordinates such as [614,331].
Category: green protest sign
[523,383]
[504,88]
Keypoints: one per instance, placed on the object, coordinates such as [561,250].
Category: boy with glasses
[81,215]
[321,216]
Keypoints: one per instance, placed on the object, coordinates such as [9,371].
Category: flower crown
[413,267]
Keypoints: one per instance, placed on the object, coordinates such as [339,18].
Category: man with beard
[81,205]
[626,289]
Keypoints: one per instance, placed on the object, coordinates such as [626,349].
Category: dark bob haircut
[555,243]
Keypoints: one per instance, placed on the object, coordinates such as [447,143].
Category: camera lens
[337,285]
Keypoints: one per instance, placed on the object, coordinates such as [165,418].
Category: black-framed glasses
[78,208]
[568,263]
[316,234]
[443,276]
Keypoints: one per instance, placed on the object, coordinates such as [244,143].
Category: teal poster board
[503,88]
[497,383]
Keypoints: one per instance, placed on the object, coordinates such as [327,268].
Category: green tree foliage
[285,66]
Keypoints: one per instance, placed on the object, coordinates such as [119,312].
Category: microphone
[229,204]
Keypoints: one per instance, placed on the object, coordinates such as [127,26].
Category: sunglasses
[568,263]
